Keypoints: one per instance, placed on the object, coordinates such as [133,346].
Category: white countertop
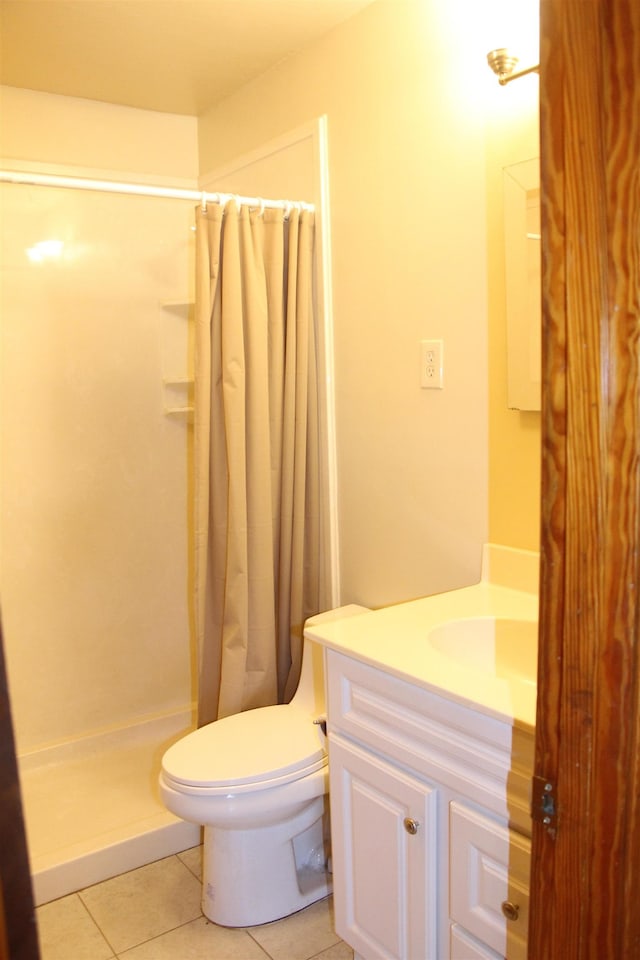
[394,639]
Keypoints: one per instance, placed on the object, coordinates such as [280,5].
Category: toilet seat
[246,752]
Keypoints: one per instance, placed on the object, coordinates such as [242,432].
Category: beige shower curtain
[258,567]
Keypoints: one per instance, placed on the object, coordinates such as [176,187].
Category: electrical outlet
[431,364]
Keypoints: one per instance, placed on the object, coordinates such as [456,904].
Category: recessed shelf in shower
[177,342]
[178,395]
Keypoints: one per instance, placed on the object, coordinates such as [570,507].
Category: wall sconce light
[504,63]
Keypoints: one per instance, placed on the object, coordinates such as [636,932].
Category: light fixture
[45,250]
[503,63]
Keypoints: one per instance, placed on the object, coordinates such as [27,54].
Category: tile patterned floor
[153,913]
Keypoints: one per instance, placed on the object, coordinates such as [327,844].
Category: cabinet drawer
[465,947]
[473,754]
[489,868]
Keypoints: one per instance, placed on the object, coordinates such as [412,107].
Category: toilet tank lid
[267,743]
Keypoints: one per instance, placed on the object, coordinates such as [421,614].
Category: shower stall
[96,345]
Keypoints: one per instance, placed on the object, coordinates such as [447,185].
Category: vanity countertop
[395,639]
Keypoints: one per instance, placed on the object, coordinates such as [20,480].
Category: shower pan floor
[93,809]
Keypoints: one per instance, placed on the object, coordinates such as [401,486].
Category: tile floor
[153,913]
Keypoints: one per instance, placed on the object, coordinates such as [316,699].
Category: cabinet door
[383,827]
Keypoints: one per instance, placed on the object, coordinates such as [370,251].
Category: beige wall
[83,133]
[424,476]
[94,514]
[408,229]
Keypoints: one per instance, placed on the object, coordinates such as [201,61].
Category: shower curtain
[258,566]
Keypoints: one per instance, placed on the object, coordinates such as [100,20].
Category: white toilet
[258,781]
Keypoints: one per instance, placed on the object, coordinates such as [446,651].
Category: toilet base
[256,876]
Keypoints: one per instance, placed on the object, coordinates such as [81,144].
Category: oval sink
[505,648]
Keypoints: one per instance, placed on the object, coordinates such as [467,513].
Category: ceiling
[176,56]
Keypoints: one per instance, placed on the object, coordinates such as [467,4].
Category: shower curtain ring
[204,203]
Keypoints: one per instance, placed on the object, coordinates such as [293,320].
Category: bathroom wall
[418,133]
[404,104]
[42,127]
[94,515]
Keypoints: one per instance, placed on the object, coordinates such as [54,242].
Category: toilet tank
[310,691]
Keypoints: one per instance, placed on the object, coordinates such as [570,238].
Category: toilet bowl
[258,782]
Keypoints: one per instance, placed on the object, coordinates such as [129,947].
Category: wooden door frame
[586,862]
[18,930]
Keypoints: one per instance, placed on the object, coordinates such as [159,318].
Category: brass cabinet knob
[411,825]
[510,910]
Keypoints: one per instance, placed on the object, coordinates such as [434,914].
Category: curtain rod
[141,189]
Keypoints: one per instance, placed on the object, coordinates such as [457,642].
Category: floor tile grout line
[158,936]
[324,949]
[265,952]
[337,941]
[121,956]
[149,939]
[257,942]
[268,956]
[197,876]
[95,922]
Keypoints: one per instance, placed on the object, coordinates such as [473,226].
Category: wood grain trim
[20,935]
[614,919]
[586,873]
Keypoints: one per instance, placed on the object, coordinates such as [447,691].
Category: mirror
[521,185]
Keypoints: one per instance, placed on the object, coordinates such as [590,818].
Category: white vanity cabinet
[430,820]
[384,854]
